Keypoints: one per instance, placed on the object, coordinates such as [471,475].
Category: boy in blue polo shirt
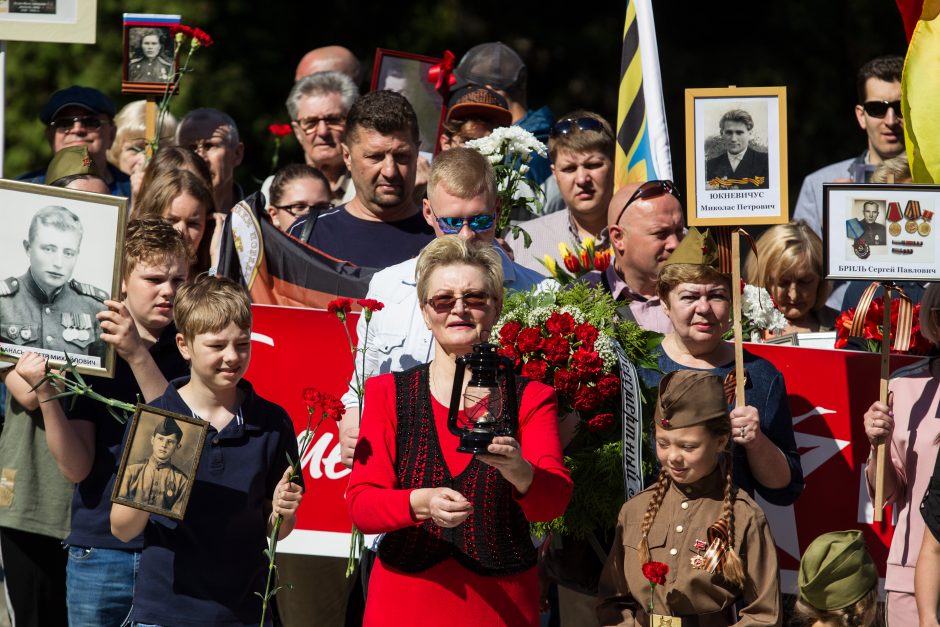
[86,447]
[205,569]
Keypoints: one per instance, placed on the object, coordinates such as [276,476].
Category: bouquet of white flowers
[509,149]
[759,313]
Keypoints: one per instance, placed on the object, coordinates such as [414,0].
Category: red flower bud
[279,130]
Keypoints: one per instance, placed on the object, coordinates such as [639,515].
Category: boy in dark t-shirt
[86,440]
[209,568]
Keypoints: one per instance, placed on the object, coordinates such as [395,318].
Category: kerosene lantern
[487,413]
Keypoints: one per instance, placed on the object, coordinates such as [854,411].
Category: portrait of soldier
[740,166]
[156,481]
[149,64]
[874,232]
[45,308]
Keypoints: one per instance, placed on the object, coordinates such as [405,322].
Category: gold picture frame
[51,291]
[736,156]
[156,474]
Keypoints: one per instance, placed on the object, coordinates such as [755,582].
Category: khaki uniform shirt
[699,598]
[143,70]
[150,483]
[64,321]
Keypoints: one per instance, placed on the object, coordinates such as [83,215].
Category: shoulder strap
[9,287]
[89,290]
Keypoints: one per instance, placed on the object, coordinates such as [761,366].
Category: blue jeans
[100,586]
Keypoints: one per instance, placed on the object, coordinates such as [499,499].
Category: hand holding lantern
[490,409]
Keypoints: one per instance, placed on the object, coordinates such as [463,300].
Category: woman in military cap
[715,541]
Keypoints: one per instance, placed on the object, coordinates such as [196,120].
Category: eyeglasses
[298,209]
[879,108]
[89,122]
[309,125]
[478,224]
[567,125]
[205,146]
[444,303]
[650,189]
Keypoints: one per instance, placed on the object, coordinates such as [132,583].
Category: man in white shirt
[461,200]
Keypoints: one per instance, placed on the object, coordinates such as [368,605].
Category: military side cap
[688,398]
[697,248]
[70,161]
[836,570]
[168,426]
[87,98]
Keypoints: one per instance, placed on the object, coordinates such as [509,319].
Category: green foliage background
[572,50]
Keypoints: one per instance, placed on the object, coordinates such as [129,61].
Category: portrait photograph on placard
[407,74]
[158,466]
[62,260]
[882,232]
[736,156]
[148,53]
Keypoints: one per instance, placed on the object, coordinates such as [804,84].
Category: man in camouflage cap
[45,308]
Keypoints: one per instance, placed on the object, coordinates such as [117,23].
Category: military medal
[84,325]
[912,213]
[894,229]
[924,228]
[68,333]
[26,334]
[894,212]
[13,331]
[861,249]
[910,226]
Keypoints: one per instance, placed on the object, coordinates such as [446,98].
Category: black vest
[494,540]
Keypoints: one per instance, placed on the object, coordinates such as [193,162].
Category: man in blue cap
[82,116]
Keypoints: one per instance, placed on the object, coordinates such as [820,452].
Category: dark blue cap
[77,96]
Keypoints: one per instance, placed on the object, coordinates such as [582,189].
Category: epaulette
[9,287]
[89,290]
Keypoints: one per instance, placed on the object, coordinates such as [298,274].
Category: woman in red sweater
[457,548]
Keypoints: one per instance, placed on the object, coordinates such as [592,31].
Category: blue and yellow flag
[642,137]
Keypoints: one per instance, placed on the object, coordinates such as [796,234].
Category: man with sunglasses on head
[461,200]
[581,149]
[878,113]
[645,226]
[82,116]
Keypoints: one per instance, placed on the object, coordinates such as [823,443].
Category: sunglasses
[650,189]
[311,124]
[567,125]
[301,208]
[879,108]
[444,303]
[478,224]
[90,122]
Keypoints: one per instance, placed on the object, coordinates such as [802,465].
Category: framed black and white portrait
[736,147]
[61,261]
[149,59]
[881,232]
[407,74]
[158,466]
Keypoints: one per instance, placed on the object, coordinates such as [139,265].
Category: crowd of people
[455,543]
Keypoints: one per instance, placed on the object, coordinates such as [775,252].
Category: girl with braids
[712,536]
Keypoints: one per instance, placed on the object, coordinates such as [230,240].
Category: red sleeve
[550,491]
[376,504]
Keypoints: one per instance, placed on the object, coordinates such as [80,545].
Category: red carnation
[202,37]
[587,334]
[371,304]
[332,407]
[529,340]
[655,572]
[534,369]
[587,363]
[508,332]
[609,385]
[340,306]
[587,398]
[566,382]
[509,352]
[311,397]
[279,130]
[600,422]
[556,349]
[180,28]
[561,323]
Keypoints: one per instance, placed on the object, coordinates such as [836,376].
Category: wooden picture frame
[149,59]
[875,232]
[54,21]
[730,184]
[157,475]
[407,74]
[63,257]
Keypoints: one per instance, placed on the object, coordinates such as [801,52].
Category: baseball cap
[472,101]
[76,96]
[492,63]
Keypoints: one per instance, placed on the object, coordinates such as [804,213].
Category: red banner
[829,392]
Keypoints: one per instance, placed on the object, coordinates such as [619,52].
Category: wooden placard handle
[739,400]
[881,449]
[150,124]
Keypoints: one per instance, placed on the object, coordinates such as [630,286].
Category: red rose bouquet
[568,339]
[873,331]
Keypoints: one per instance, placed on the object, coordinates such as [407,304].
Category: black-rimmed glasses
[299,209]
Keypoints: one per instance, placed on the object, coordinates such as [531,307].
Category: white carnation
[758,307]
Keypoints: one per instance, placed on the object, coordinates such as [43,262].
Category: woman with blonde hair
[128,153]
[789,265]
